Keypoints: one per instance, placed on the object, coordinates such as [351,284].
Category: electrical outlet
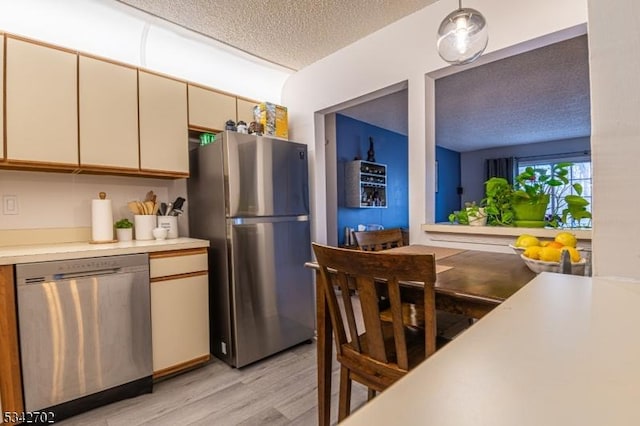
[223,347]
[9,204]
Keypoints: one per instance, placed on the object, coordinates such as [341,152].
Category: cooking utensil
[177,204]
[149,196]
[149,207]
[163,209]
[133,207]
[169,208]
[141,207]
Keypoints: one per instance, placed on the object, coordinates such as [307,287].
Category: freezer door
[273,297]
[266,177]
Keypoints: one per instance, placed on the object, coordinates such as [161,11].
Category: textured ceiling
[538,96]
[290,33]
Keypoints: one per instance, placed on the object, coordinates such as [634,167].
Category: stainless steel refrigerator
[248,195]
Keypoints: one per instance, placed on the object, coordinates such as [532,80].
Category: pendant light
[462,36]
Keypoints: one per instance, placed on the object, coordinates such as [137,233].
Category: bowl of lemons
[544,256]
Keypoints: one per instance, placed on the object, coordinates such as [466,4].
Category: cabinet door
[41,104]
[210,110]
[180,321]
[108,114]
[245,110]
[1,103]
[164,135]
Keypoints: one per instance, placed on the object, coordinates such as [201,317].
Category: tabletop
[563,350]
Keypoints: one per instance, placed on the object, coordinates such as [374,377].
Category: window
[580,172]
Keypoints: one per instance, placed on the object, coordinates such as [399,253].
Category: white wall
[615,106]
[63,200]
[405,51]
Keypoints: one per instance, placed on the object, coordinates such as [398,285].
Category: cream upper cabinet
[2,103]
[209,109]
[108,106]
[164,135]
[245,110]
[41,103]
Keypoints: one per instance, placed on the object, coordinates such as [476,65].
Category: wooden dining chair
[378,240]
[375,353]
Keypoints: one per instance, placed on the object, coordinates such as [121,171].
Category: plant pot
[478,218]
[124,234]
[531,215]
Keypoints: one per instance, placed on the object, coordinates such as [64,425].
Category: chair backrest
[378,240]
[374,273]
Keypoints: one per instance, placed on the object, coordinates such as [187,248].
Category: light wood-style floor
[280,390]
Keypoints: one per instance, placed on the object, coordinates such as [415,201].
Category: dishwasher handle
[86,274]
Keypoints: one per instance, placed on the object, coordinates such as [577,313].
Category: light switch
[9,204]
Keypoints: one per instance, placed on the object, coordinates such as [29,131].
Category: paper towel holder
[103,196]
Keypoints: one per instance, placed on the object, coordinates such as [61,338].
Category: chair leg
[371,393]
[344,403]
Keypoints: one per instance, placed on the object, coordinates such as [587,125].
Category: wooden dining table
[469,282]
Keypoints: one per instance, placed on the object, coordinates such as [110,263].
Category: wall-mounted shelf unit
[366,184]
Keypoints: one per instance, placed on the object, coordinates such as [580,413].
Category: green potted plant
[124,230]
[472,214]
[533,190]
[498,207]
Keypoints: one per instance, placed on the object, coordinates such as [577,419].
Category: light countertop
[564,350]
[48,252]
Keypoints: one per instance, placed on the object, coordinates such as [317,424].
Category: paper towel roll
[101,220]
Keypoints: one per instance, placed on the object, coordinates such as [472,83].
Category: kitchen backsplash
[63,200]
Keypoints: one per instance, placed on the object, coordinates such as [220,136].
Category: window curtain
[500,167]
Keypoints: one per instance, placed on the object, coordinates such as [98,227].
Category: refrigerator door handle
[268,219]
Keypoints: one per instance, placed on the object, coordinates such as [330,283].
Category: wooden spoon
[149,207]
[133,207]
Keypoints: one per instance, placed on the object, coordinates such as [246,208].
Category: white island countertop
[65,251]
[564,350]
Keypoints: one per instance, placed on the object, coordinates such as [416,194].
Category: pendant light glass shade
[462,36]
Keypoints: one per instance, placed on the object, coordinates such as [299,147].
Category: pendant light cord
[459,4]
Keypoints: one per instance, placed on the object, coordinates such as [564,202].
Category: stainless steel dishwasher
[85,332]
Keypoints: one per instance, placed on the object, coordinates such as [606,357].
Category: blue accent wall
[447,198]
[391,148]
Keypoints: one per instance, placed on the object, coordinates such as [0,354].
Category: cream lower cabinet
[164,136]
[41,104]
[179,310]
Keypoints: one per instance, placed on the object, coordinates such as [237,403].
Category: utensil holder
[170,223]
[143,226]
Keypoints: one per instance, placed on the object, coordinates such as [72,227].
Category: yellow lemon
[520,238]
[566,239]
[550,254]
[554,244]
[575,254]
[533,252]
[527,241]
